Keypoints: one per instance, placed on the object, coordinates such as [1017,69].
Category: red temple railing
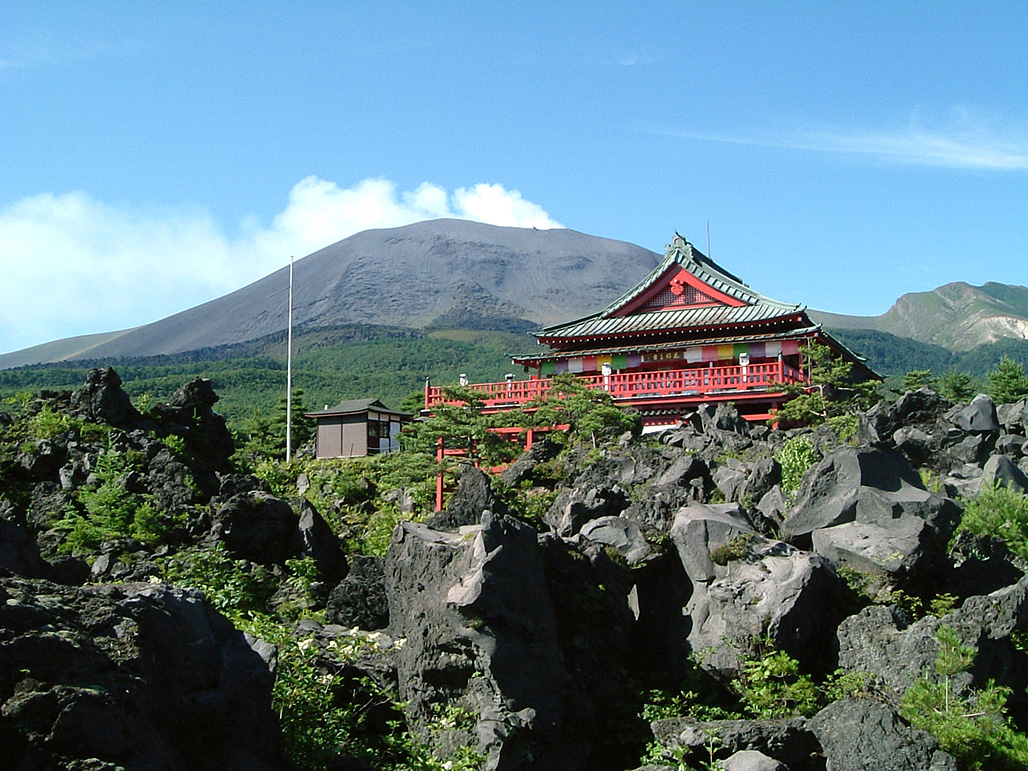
[629,386]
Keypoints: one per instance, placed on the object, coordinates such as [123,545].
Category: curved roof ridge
[681,252]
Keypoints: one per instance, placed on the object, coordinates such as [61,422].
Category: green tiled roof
[681,253]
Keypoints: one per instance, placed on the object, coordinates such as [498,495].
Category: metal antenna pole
[289,368]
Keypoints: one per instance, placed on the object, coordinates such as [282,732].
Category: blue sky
[154,156]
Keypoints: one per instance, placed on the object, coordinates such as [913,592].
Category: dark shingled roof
[354,406]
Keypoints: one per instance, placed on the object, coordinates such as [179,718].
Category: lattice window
[679,294]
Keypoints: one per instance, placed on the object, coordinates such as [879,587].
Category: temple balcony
[652,389]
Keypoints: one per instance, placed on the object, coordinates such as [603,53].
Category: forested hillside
[329,365]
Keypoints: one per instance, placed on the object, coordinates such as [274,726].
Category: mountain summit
[439,273]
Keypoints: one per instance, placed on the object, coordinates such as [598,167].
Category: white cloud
[962,141]
[73,265]
[494,204]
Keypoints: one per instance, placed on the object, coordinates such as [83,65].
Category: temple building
[688,333]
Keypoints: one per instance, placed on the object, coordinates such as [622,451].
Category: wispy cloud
[27,56]
[75,265]
[966,143]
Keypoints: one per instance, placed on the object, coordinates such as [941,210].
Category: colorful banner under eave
[696,355]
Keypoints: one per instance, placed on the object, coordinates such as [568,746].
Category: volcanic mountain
[440,273]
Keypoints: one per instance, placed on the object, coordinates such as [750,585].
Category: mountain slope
[436,273]
[956,316]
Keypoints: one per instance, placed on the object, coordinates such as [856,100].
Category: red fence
[628,386]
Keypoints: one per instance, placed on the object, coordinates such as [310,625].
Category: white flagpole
[289,368]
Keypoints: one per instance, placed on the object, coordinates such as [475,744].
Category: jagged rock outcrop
[484,631]
[474,494]
[359,600]
[866,509]
[788,741]
[745,586]
[102,400]
[130,675]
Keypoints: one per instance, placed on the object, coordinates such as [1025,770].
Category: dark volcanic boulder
[523,469]
[867,735]
[880,640]
[190,413]
[866,509]
[479,633]
[319,542]
[258,527]
[19,553]
[788,741]
[474,495]
[577,505]
[137,676]
[360,599]
[520,632]
[746,586]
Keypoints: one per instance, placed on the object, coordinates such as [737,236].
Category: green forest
[392,364]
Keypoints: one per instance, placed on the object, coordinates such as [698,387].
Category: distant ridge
[439,273]
[59,350]
[455,274]
[956,316]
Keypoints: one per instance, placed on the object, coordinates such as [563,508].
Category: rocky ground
[667,600]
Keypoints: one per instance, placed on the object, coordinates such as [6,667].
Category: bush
[110,511]
[235,587]
[971,725]
[771,686]
[999,511]
[796,457]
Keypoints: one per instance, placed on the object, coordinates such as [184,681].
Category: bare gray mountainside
[449,273]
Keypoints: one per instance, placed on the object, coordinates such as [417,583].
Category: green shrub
[235,587]
[797,455]
[999,511]
[771,686]
[46,424]
[971,725]
[110,511]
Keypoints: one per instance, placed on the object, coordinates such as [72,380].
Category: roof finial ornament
[679,242]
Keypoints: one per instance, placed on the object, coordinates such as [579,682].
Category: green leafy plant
[111,511]
[235,587]
[797,455]
[969,724]
[771,686]
[999,511]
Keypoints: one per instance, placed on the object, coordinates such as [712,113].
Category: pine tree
[917,379]
[1007,383]
[957,386]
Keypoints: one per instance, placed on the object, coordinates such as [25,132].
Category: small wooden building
[358,427]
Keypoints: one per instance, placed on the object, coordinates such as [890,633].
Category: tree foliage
[1007,383]
[833,390]
[957,386]
[970,724]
